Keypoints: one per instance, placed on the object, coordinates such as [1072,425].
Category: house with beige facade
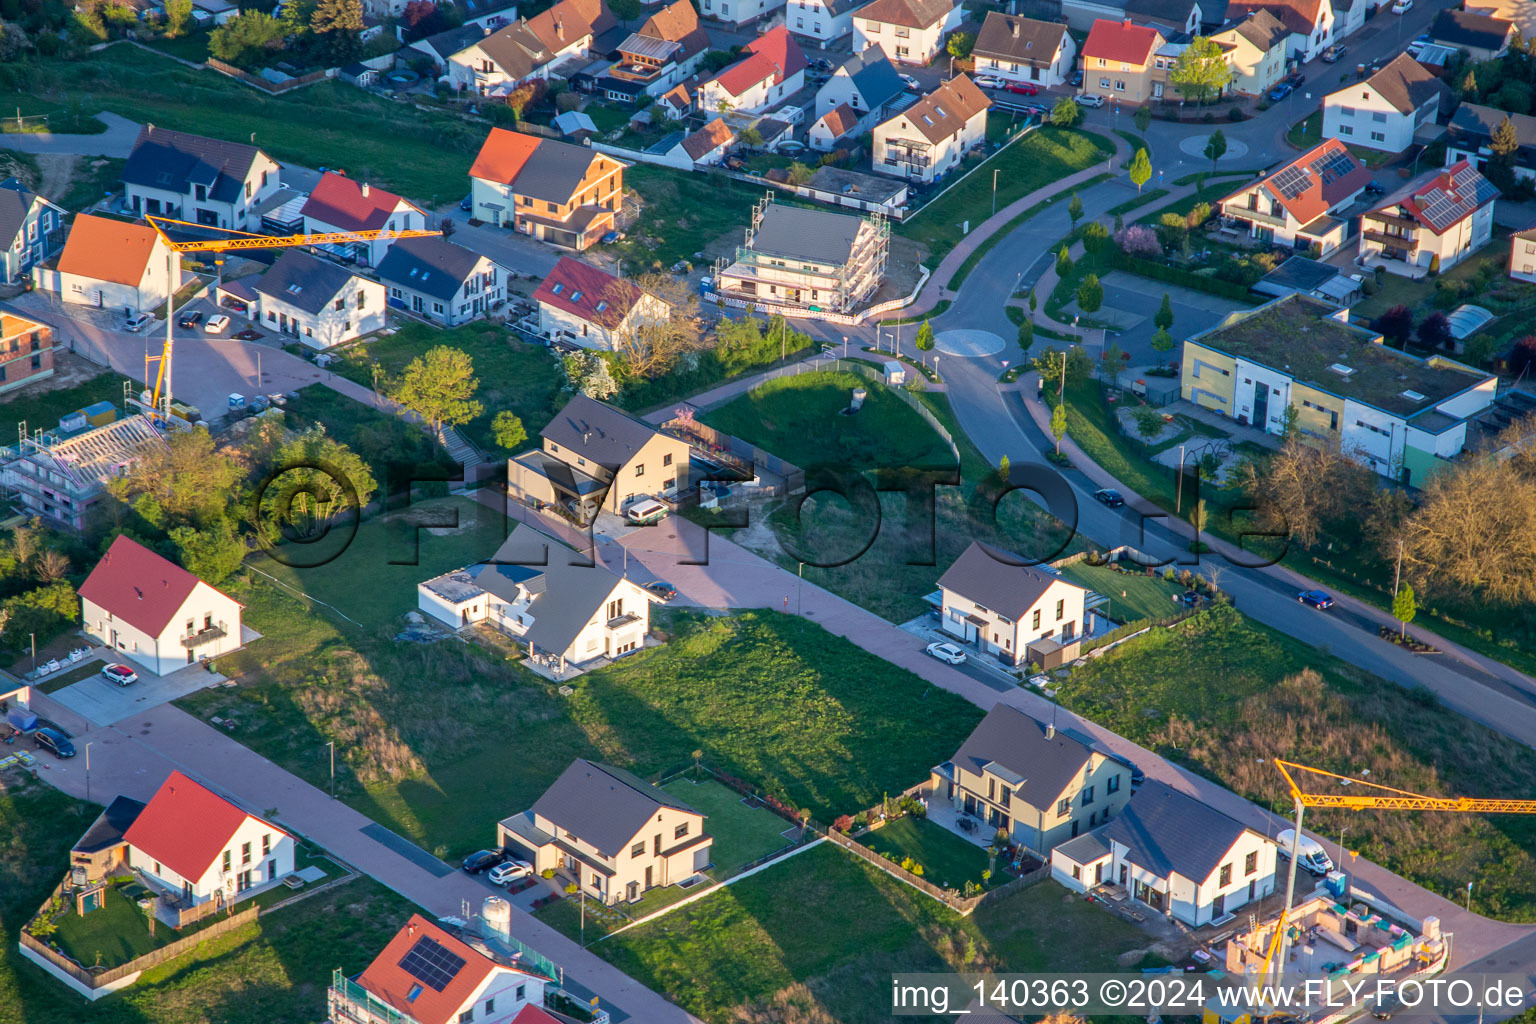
[1040,784]
[1301,204]
[1255,50]
[1003,605]
[1309,23]
[1117,62]
[583,305]
[800,259]
[612,833]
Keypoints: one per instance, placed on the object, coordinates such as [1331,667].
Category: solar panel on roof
[1336,165]
[1292,182]
[432,965]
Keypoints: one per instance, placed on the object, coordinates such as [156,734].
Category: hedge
[1174,275]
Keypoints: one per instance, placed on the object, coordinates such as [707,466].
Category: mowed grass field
[1131,596]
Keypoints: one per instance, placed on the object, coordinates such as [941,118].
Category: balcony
[206,635]
[1256,216]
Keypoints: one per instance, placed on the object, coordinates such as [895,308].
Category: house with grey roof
[613,834]
[1012,608]
[567,612]
[441,46]
[821,20]
[441,280]
[1299,275]
[31,231]
[1174,854]
[1469,137]
[1481,36]
[805,262]
[871,87]
[1040,784]
[206,181]
[316,302]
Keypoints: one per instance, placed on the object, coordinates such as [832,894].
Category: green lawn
[1308,132]
[397,450]
[192,46]
[43,408]
[514,375]
[839,927]
[113,935]
[800,418]
[59,680]
[93,178]
[947,860]
[1131,596]
[682,212]
[742,834]
[1037,160]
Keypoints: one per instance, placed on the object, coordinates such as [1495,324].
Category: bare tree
[51,565]
[24,544]
[656,322]
[1475,530]
[1300,489]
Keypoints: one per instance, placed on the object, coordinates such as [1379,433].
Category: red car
[1023,88]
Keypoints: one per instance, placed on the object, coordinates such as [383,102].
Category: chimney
[559,27]
[365,190]
[1015,27]
[1050,731]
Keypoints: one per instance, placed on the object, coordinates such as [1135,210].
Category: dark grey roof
[176,161]
[598,432]
[446,44]
[553,171]
[873,188]
[567,591]
[800,233]
[1167,11]
[603,805]
[1470,30]
[110,826]
[997,579]
[304,281]
[1014,740]
[433,266]
[1301,274]
[1017,39]
[1085,848]
[15,202]
[1472,126]
[874,76]
[1168,832]
[1408,85]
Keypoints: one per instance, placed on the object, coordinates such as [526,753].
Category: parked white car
[646,511]
[1402,6]
[987,82]
[216,324]
[1090,99]
[947,652]
[509,871]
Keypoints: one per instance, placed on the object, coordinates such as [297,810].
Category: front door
[189,655]
[271,870]
[243,880]
[1219,905]
[1098,874]
[648,876]
[632,891]
[1260,405]
[1252,890]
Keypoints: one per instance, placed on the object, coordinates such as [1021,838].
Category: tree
[1474,531]
[244,36]
[1026,335]
[1505,144]
[1063,263]
[440,387]
[1201,70]
[188,482]
[1435,330]
[1141,169]
[924,341]
[211,553]
[1215,147]
[661,329]
[1065,113]
[587,373]
[960,45]
[1163,318]
[1396,324]
[1149,422]
[1405,605]
[1090,294]
[177,14]
[1143,117]
[1522,358]
[1162,344]
[1198,517]
[508,431]
[799,173]
[1110,362]
[1075,209]
[316,480]
[1300,491]
[336,23]
[1049,365]
[51,566]
[1095,237]
[626,10]
[1468,85]
[1032,301]
[750,136]
[1059,424]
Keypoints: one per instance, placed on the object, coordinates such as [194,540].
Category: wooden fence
[963,905]
[273,88]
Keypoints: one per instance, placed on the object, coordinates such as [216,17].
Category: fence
[740,455]
[914,403]
[963,905]
[273,88]
[1175,275]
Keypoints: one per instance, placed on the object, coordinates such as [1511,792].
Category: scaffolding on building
[845,286]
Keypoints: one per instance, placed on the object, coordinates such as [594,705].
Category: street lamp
[994,188]
[1469,897]
[88,773]
[332,745]
[1178,504]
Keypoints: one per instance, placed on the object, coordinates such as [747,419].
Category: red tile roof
[104,249]
[186,826]
[350,205]
[138,586]
[503,155]
[570,20]
[840,120]
[1299,16]
[1121,41]
[773,55]
[531,1014]
[386,979]
[571,278]
[1327,174]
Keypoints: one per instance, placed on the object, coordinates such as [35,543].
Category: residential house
[909,31]
[1522,255]
[428,976]
[113,264]
[532,47]
[868,84]
[31,231]
[615,834]
[1431,224]
[1402,415]
[62,478]
[600,458]
[192,178]
[316,302]
[441,280]
[800,259]
[836,127]
[1470,137]
[1169,17]
[1521,12]
[771,69]
[1481,36]
[582,305]
[339,203]
[1117,60]
[104,847]
[996,602]
[1389,111]
[1174,854]
[1255,48]
[822,20]
[1019,49]
[26,351]
[1296,204]
[564,608]
[669,48]
[739,12]
[929,139]
[155,613]
[707,146]
[198,846]
[441,46]
[487,15]
[213,13]
[566,195]
[1310,23]
[1040,784]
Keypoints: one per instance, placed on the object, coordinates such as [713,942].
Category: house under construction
[1338,940]
[810,259]
[61,477]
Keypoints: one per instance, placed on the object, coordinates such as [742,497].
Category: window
[1251,864]
[266,843]
[1346,111]
[1345,129]
[1063,806]
[1035,622]
[245,853]
[1113,785]
[520,992]
[1060,609]
[341,303]
[1006,795]
[666,460]
[1087,795]
[1379,118]
[490,1007]
[467,1016]
[992,789]
[1103,83]
[640,469]
[1225,879]
[229,861]
[1378,137]
[872,28]
[1120,86]
[638,850]
[680,831]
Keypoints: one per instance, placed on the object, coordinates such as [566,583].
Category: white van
[645,512]
[1309,852]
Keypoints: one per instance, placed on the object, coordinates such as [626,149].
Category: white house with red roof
[339,203]
[428,976]
[740,12]
[1297,204]
[1431,224]
[582,305]
[155,613]
[193,842]
[772,67]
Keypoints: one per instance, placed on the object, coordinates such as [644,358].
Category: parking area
[103,702]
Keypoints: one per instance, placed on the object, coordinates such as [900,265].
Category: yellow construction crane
[160,399]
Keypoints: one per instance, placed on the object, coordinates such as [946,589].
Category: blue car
[54,741]
[1315,598]
[1280,92]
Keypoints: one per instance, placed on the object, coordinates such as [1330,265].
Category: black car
[1076,79]
[662,589]
[1375,188]
[1137,775]
[467,203]
[482,860]
[190,320]
[54,742]
[1109,496]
